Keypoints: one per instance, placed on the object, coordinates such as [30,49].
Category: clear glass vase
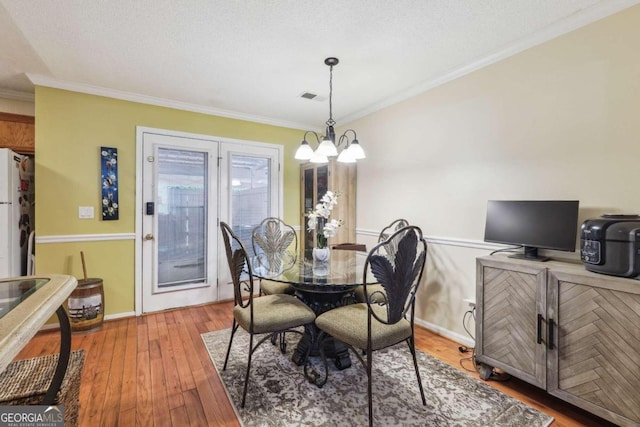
[321,255]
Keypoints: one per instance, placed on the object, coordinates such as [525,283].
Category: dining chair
[384,235]
[267,315]
[398,264]
[271,241]
[275,245]
[392,228]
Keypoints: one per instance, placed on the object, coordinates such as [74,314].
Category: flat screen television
[533,224]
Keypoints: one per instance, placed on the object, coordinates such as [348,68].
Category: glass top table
[26,303]
[342,273]
[13,292]
[322,286]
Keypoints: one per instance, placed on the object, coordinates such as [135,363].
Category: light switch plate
[85,212]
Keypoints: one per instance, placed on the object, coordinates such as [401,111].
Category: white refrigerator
[16,212]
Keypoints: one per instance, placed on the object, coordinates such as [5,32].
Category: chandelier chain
[330,122]
[329,145]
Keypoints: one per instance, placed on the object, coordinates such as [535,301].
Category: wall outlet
[471,302]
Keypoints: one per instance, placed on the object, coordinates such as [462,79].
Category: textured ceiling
[254,58]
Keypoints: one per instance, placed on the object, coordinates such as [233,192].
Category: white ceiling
[253,59]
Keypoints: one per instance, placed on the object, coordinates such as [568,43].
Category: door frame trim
[139,208]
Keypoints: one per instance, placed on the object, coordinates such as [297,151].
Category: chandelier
[351,152]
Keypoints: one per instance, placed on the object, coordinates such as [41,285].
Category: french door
[179,221]
[251,177]
[187,183]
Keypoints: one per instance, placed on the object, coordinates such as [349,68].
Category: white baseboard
[120,315]
[461,339]
[56,325]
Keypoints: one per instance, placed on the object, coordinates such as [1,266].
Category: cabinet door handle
[540,320]
[552,325]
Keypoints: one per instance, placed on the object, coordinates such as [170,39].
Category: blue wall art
[109,178]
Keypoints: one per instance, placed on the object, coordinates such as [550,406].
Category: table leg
[306,346]
[337,351]
[321,302]
[333,349]
[63,358]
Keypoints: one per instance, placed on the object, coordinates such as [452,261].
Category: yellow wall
[70,128]
[558,121]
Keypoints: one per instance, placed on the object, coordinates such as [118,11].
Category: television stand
[564,329]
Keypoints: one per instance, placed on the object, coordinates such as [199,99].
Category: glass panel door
[252,194]
[181,209]
[179,238]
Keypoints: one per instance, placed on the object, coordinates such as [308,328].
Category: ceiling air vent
[308,95]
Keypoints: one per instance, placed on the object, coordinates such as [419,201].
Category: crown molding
[51,82]
[17,95]
[574,22]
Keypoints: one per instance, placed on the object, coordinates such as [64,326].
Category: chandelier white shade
[352,150]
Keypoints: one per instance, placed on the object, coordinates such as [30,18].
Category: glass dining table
[323,286]
[26,303]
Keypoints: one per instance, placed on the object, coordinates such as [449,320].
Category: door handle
[540,320]
[550,344]
[148,236]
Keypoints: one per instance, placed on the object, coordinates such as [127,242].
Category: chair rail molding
[443,240]
[69,238]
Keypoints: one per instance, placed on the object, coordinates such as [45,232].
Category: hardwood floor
[154,371]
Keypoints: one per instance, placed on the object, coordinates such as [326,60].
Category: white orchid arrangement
[318,219]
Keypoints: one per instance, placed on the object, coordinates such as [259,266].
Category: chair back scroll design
[386,232]
[271,240]
[395,225]
[397,263]
[239,266]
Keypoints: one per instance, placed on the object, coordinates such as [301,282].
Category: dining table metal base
[333,349]
[308,344]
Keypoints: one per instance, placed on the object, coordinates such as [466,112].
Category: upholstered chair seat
[271,287]
[274,313]
[375,292]
[349,324]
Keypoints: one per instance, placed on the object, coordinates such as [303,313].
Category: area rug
[279,395]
